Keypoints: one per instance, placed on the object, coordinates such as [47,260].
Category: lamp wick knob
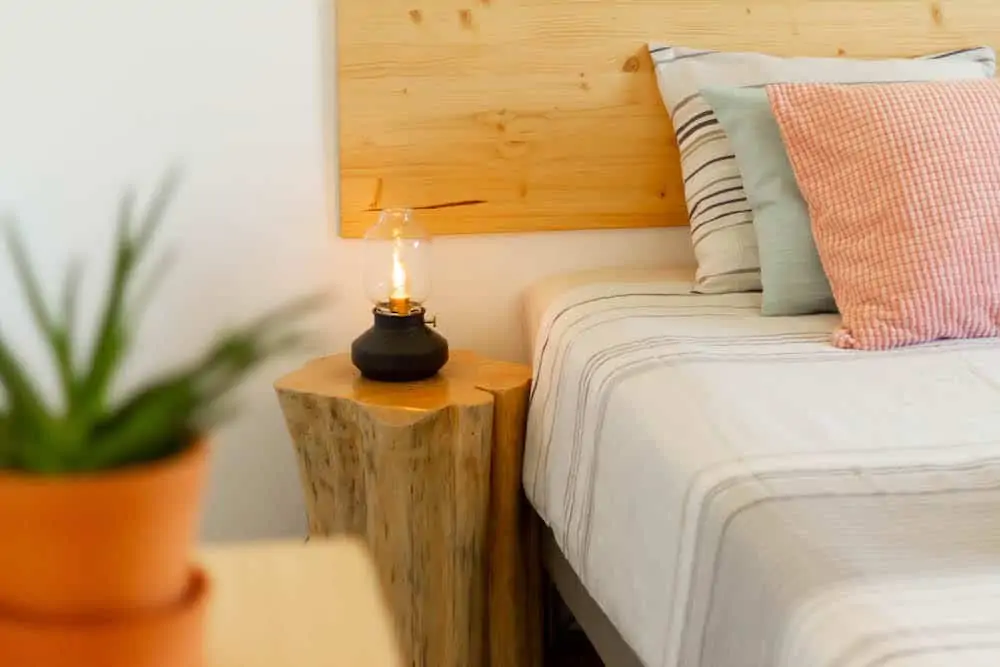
[432,321]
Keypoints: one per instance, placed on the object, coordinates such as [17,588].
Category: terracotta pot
[172,636]
[100,544]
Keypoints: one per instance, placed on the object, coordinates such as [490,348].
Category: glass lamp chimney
[397,262]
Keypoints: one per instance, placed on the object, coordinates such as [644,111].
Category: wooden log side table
[429,474]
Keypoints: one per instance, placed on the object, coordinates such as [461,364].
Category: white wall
[98,94]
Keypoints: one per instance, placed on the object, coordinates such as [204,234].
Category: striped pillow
[721,220]
[903,187]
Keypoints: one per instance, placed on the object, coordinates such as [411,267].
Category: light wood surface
[515,603]
[315,605]
[429,474]
[530,115]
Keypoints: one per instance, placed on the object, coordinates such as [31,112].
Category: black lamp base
[399,348]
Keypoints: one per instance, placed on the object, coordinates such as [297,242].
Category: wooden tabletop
[467,379]
[296,604]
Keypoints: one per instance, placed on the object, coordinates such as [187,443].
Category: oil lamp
[400,346]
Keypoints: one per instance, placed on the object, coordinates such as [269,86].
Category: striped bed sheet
[735,492]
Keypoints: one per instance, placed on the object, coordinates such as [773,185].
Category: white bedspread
[735,492]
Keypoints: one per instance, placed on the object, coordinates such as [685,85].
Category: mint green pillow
[792,277]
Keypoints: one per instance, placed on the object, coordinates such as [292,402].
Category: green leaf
[144,293]
[22,396]
[236,354]
[155,212]
[28,280]
[71,294]
[6,443]
[54,333]
[65,331]
[109,341]
[28,420]
[226,364]
[151,425]
[112,342]
[241,349]
[110,345]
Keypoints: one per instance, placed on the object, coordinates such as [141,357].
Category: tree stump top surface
[467,379]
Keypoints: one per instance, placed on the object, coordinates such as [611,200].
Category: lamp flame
[399,299]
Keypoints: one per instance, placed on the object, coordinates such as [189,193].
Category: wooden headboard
[531,115]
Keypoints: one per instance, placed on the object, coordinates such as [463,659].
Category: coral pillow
[903,187]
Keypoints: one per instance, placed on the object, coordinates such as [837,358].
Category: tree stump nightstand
[429,473]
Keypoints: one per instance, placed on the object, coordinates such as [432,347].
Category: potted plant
[100,494]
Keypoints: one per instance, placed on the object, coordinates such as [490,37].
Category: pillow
[903,186]
[721,229]
[790,271]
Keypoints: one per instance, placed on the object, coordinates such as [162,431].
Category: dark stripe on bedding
[697,204]
[737,200]
[722,228]
[707,139]
[708,164]
[693,119]
[949,54]
[702,223]
[717,181]
[684,56]
[687,134]
[683,103]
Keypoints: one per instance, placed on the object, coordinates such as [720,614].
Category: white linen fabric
[721,218]
[735,492]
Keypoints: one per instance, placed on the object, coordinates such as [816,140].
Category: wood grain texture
[515,568]
[532,115]
[410,467]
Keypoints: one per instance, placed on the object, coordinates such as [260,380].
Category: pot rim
[196,596]
[197,449]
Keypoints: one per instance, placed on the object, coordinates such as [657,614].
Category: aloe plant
[88,429]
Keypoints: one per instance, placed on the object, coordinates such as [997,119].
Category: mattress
[735,492]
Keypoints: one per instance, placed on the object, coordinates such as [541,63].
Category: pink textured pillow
[903,187]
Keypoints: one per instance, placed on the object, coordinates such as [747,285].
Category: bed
[731,490]
[717,488]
